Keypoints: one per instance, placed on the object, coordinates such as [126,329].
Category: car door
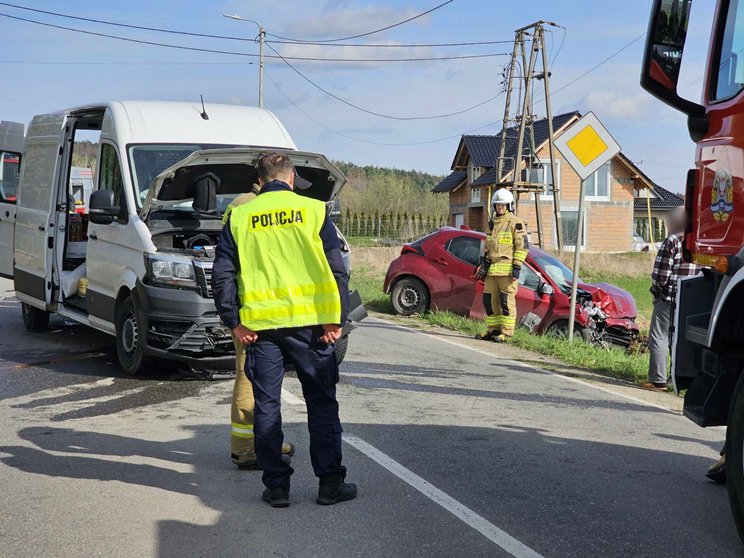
[12,137]
[34,229]
[459,258]
[529,298]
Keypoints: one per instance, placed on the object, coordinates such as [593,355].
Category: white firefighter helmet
[502,196]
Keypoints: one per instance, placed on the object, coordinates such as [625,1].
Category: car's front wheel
[129,347]
[559,330]
[409,296]
[33,318]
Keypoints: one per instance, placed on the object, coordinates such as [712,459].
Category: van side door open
[35,228]
[12,138]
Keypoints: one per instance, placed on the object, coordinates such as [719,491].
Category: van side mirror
[662,61]
[205,194]
[102,209]
[546,290]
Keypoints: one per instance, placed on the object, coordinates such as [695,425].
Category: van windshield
[147,161]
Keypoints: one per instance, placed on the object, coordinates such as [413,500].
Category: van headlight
[170,271]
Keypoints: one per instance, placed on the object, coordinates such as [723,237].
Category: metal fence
[390,226]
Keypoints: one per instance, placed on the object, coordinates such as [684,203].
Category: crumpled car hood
[613,301]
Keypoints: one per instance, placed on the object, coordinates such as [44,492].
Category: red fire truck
[708,335]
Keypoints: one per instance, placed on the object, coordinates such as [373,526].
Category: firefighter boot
[488,336]
[501,338]
[717,473]
[288,451]
[333,490]
[277,497]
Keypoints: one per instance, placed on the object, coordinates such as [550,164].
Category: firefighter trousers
[500,301]
[242,446]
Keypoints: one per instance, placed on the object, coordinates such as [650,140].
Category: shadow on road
[560,496]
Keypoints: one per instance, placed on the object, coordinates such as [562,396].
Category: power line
[230,38]
[453,136]
[344,101]
[231,53]
[37,62]
[374,142]
[639,37]
[433,45]
[370,32]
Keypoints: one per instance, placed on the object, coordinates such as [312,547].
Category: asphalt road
[456,453]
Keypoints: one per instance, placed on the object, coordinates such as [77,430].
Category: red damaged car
[435,272]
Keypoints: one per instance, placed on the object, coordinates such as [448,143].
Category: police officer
[280,284]
[242,448]
[505,252]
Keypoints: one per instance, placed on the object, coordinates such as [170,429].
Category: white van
[144,275]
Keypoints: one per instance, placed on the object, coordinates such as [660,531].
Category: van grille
[204,278]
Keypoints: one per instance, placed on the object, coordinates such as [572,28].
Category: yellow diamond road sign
[587,145]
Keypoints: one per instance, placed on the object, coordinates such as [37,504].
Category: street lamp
[262,36]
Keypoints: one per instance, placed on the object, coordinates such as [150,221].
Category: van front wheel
[33,318]
[129,338]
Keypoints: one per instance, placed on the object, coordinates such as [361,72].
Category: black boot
[277,497]
[333,490]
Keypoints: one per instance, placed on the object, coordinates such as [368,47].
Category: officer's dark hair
[274,165]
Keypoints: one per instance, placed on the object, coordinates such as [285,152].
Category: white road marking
[291,399]
[480,524]
[537,369]
[462,512]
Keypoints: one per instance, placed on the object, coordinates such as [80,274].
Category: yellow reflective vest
[507,245]
[284,278]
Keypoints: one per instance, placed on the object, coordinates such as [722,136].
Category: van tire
[735,456]
[341,345]
[33,318]
[409,296]
[129,349]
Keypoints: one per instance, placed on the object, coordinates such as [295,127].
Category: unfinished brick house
[609,202]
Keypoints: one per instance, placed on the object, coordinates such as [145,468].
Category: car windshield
[556,270]
[147,161]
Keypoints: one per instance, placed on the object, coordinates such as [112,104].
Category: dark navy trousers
[317,370]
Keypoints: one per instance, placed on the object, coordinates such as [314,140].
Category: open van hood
[236,168]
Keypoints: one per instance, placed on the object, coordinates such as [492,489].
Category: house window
[569,227]
[459,220]
[597,186]
[475,195]
[475,173]
[544,175]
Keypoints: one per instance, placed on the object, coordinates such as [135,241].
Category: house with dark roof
[662,202]
[610,200]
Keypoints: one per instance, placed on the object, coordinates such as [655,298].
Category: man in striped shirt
[668,269]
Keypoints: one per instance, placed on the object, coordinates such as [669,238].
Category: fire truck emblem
[722,196]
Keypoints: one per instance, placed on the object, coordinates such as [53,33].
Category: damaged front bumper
[183,326]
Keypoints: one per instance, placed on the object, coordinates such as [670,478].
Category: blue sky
[103,70]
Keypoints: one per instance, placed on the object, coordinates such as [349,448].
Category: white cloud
[351,20]
[616,105]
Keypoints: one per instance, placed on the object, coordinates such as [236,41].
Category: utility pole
[262,40]
[526,120]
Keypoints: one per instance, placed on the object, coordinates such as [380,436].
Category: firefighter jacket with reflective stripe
[240,200]
[507,245]
[278,264]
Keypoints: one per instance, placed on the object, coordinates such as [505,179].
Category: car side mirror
[102,209]
[205,194]
[546,290]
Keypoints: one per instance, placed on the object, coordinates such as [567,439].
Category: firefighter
[505,252]
[280,284]
[242,447]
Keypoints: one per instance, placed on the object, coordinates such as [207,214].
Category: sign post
[587,146]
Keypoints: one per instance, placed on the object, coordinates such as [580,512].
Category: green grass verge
[611,362]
